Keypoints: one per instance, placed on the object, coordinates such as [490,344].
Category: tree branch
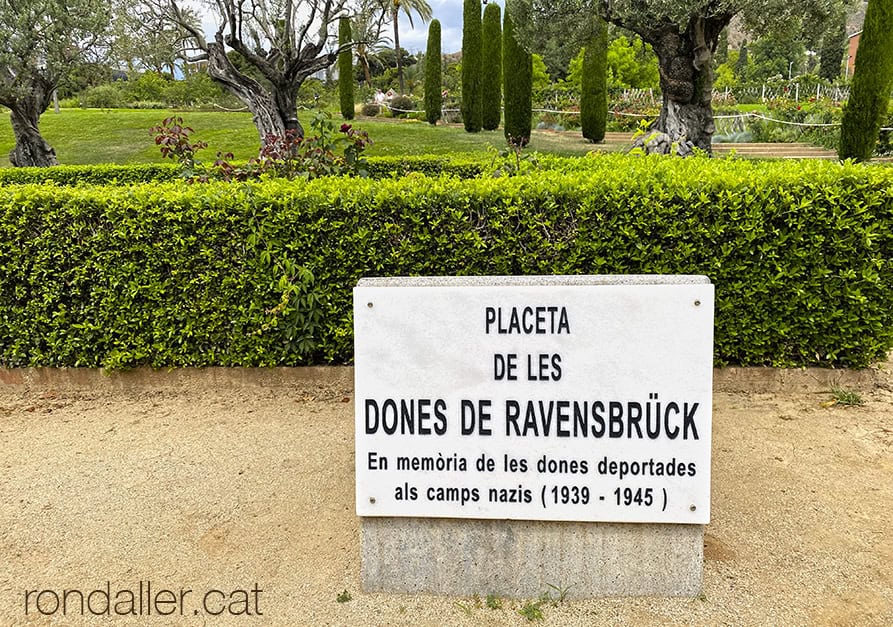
[179,18]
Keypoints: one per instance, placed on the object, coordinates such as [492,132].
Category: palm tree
[366,26]
[423,9]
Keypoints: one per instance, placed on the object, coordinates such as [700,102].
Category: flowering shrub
[172,138]
[327,153]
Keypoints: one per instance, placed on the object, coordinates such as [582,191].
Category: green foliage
[810,112]
[834,44]
[433,74]
[742,63]
[371,109]
[722,48]
[512,161]
[148,87]
[151,90]
[493,602]
[631,64]
[108,96]
[108,174]
[169,274]
[724,75]
[197,89]
[293,156]
[315,94]
[574,78]
[532,611]
[401,106]
[775,56]
[872,81]
[290,156]
[345,70]
[517,72]
[42,42]
[594,93]
[845,397]
[472,52]
[540,79]
[491,87]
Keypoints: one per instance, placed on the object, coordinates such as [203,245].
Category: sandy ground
[244,484]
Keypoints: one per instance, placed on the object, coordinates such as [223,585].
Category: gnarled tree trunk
[274,108]
[686,82]
[31,149]
[264,110]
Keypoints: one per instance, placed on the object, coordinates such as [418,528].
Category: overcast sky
[449,12]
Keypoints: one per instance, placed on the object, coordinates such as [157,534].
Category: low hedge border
[111,174]
[261,274]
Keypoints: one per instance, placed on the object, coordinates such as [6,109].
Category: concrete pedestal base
[522,559]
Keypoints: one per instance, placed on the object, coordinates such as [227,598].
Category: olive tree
[284,41]
[43,41]
[684,35]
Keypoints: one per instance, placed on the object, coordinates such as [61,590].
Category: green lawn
[122,136]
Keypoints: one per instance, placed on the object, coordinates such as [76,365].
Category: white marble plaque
[552,402]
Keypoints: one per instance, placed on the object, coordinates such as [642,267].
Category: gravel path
[243,484]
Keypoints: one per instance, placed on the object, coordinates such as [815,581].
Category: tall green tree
[872,81]
[491,88]
[345,69]
[722,48]
[776,55]
[834,43]
[683,35]
[594,92]
[743,61]
[472,51]
[517,73]
[366,25]
[41,43]
[433,72]
[408,7]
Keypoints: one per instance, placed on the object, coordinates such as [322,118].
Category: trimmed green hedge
[108,174]
[261,274]
[105,174]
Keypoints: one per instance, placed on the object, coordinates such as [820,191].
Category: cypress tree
[491,87]
[345,69]
[517,73]
[472,104]
[433,71]
[722,48]
[741,65]
[833,46]
[872,80]
[594,92]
